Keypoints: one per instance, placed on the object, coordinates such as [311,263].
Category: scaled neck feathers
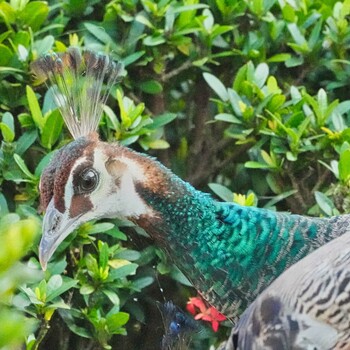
[230,253]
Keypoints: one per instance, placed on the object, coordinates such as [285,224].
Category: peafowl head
[87,179]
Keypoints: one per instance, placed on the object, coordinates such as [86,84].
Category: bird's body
[230,253]
[307,307]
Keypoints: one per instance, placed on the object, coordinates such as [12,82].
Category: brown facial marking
[155,180]
[55,176]
[80,204]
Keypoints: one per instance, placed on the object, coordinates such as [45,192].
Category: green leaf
[86,289]
[280,57]
[100,33]
[296,34]
[260,75]
[103,254]
[256,165]
[343,107]
[229,118]
[35,108]
[128,254]
[9,127]
[70,321]
[177,275]
[34,14]
[240,78]
[235,101]
[161,120]
[324,203]
[3,205]
[133,57]
[314,38]
[91,264]
[67,283]
[344,166]
[154,40]
[222,191]
[112,296]
[279,198]
[7,13]
[288,13]
[25,141]
[99,228]
[116,321]
[54,283]
[294,61]
[7,133]
[216,85]
[185,8]
[116,233]
[42,46]
[52,129]
[123,271]
[152,87]
[58,305]
[142,282]
[142,18]
[20,162]
[5,55]
[158,144]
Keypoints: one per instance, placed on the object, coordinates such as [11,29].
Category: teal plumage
[229,252]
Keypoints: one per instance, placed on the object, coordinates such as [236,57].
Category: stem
[44,328]
[176,71]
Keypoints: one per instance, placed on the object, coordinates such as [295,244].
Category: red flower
[197,307]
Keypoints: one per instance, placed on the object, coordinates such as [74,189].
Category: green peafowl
[307,307]
[229,253]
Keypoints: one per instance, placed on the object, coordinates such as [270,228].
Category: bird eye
[88,180]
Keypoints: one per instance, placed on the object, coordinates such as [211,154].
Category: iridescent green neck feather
[230,253]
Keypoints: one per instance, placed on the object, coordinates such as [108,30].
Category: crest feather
[77,81]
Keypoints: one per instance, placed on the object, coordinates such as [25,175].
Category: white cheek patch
[131,204]
[117,197]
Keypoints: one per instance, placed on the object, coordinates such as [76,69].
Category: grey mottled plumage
[307,307]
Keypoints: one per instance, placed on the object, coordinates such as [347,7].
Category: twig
[298,196]
[44,328]
[176,71]
[321,181]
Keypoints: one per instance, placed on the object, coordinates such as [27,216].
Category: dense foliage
[248,96]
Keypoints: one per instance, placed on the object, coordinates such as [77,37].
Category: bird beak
[56,227]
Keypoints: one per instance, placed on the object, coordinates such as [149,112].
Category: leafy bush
[256,95]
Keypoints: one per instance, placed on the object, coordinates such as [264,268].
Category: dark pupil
[88,180]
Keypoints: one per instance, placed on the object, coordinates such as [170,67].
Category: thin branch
[236,153]
[321,180]
[44,328]
[298,195]
[176,71]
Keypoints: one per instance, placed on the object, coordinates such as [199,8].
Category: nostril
[55,222]
[52,222]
